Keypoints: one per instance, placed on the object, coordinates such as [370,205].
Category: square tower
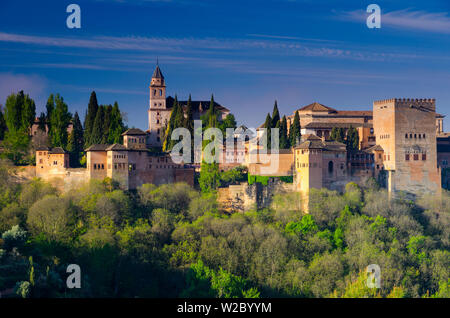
[406,130]
[158,114]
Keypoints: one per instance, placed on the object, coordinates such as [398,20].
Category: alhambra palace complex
[402,145]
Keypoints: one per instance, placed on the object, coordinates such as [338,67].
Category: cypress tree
[50,107]
[170,125]
[76,142]
[116,126]
[337,134]
[2,125]
[189,120]
[28,112]
[352,140]
[97,128]
[106,123]
[60,120]
[275,115]
[42,122]
[209,179]
[13,111]
[90,118]
[212,116]
[268,125]
[295,130]
[284,142]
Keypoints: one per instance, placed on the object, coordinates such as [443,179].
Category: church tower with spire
[158,114]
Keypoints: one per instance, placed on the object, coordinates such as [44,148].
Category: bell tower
[158,114]
[157,90]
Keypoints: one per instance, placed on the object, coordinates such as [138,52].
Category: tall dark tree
[76,142]
[28,112]
[42,122]
[189,120]
[212,114]
[337,134]
[284,140]
[50,107]
[295,130]
[116,126]
[18,111]
[171,125]
[97,129]
[90,118]
[275,115]
[352,140]
[268,126]
[106,123]
[2,124]
[15,116]
[59,121]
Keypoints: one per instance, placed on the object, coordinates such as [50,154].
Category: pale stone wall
[243,197]
[406,130]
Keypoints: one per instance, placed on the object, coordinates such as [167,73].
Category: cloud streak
[264,46]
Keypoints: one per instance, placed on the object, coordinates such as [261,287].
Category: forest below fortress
[173,241]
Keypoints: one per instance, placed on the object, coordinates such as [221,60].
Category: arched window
[160,92]
[330,167]
[154,92]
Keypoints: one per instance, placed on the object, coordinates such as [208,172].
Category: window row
[137,140]
[308,165]
[415,156]
[415,136]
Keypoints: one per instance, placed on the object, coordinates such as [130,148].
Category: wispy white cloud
[205,47]
[438,22]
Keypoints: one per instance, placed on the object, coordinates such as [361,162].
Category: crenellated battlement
[405,100]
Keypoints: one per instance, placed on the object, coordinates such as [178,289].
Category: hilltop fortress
[401,144]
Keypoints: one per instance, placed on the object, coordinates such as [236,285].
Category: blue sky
[248,53]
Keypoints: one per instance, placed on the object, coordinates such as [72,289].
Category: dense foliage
[172,241]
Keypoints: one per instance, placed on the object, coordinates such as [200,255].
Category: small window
[406,136]
[416,157]
[407,157]
[330,167]
[424,156]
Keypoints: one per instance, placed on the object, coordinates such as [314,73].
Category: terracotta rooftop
[316,107]
[374,148]
[98,147]
[133,132]
[337,125]
[116,147]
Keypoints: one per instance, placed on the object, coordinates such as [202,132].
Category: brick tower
[406,130]
[158,114]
